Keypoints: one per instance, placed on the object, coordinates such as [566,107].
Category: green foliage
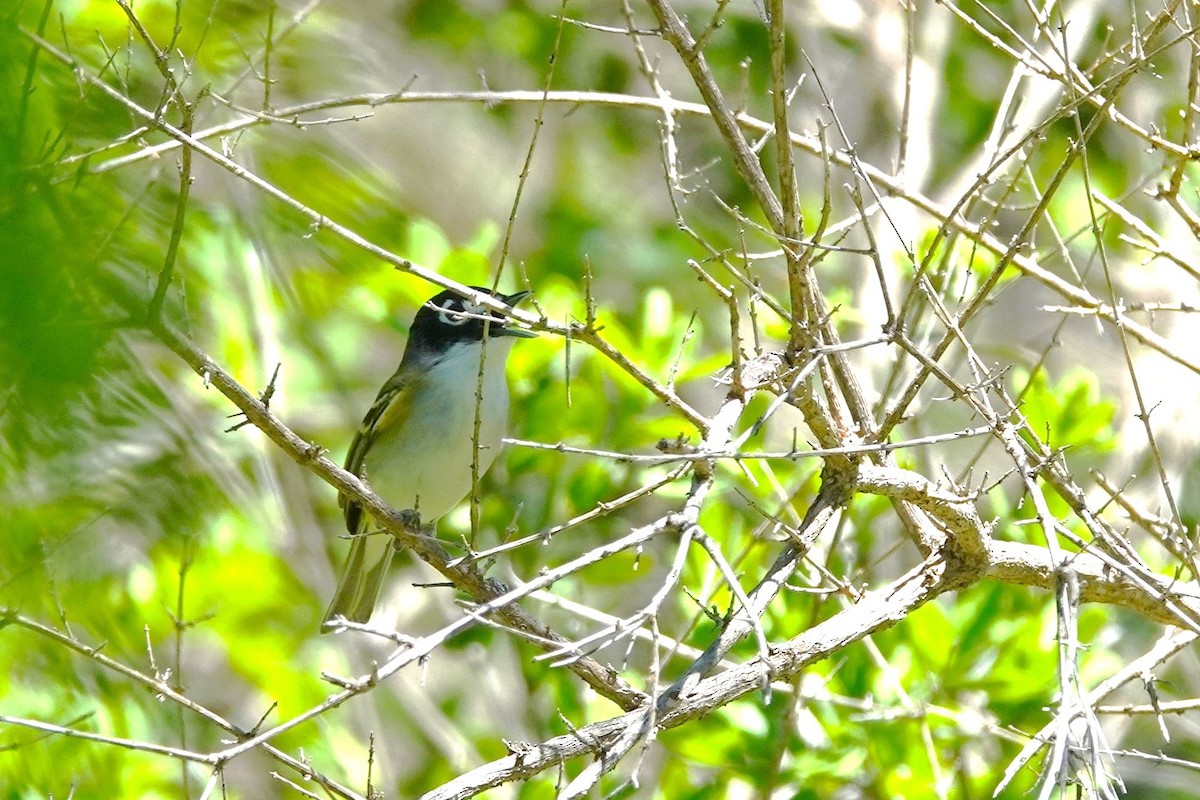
[151,547]
[1071,411]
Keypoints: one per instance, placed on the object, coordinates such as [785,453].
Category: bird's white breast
[426,462]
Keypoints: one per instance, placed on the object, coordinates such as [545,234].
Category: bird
[416,443]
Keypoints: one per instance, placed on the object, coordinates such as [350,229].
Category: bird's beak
[520,333]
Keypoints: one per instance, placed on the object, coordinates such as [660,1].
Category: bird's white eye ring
[457,318]
[448,317]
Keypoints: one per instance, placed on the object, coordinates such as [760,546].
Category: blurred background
[132,519]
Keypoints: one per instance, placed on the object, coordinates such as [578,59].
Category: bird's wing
[389,411]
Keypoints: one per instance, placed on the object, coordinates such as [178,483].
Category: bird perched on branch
[416,444]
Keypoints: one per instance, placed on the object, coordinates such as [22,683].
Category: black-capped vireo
[415,444]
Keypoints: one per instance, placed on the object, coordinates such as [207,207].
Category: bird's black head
[447,319]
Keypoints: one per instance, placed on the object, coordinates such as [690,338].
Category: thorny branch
[958,545]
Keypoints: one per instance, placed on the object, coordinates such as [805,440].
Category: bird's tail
[362,579]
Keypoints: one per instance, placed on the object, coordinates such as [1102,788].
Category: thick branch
[1030,565]
[874,612]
